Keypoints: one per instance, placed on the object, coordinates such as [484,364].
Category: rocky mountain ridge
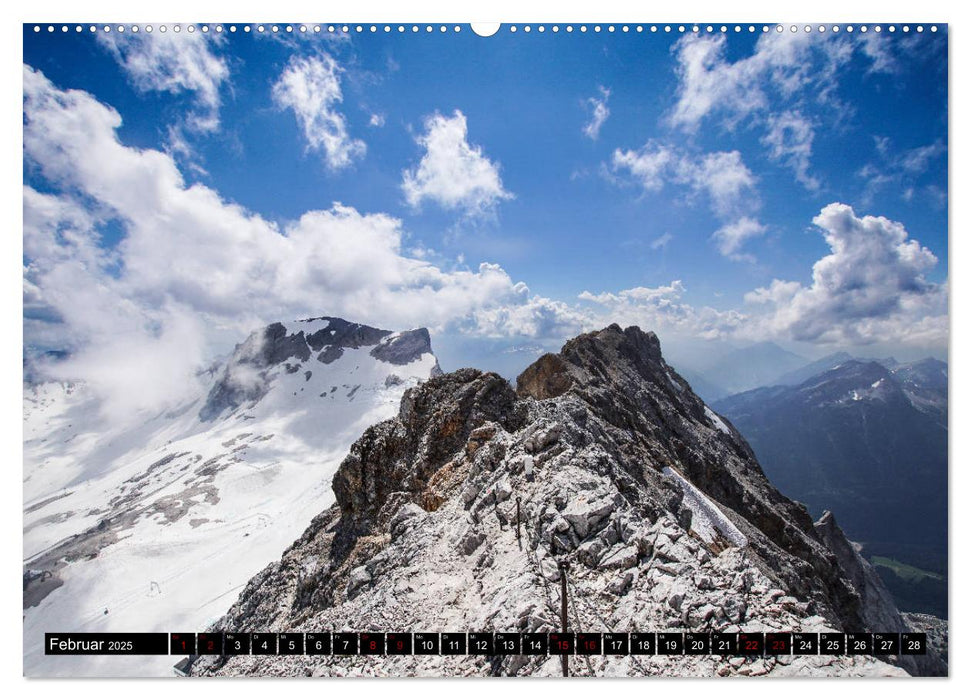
[457,514]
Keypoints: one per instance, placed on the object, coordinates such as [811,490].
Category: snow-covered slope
[156,525]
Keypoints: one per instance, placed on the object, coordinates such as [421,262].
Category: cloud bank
[191,264]
[191,269]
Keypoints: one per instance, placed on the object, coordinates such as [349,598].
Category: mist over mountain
[460,512]
[155,526]
[801,374]
[750,367]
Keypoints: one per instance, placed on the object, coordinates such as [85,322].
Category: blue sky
[736,187]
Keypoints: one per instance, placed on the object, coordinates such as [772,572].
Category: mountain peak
[591,358]
[314,341]
[459,510]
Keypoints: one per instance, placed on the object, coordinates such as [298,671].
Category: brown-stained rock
[546,378]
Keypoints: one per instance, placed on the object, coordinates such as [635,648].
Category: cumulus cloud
[710,84]
[311,87]
[870,288]
[731,237]
[648,165]
[452,173]
[192,265]
[598,113]
[721,177]
[789,138]
[174,63]
[532,316]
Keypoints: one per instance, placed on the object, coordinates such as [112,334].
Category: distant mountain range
[868,441]
[740,370]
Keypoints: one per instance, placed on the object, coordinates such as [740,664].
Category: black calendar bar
[111,644]
[490,643]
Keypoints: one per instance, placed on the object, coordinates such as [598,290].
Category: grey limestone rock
[598,423]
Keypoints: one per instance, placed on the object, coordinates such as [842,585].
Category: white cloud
[789,137]
[784,66]
[916,160]
[870,288]
[598,113]
[722,177]
[770,90]
[649,165]
[710,84]
[877,49]
[311,87]
[452,173]
[662,310]
[174,63]
[661,241]
[731,237]
[376,120]
[532,316]
[192,267]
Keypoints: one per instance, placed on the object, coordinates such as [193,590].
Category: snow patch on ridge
[707,518]
[719,423]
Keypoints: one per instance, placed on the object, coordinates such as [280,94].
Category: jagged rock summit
[456,515]
[244,378]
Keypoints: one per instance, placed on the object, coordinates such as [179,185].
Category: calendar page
[539,349]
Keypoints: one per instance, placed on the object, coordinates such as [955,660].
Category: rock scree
[616,468]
